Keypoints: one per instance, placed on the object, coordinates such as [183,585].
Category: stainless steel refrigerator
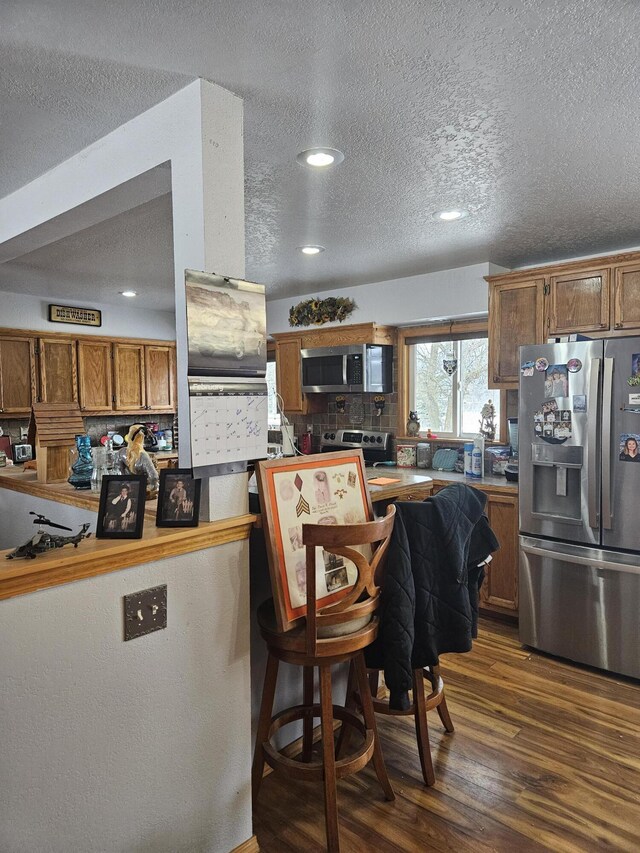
[579,484]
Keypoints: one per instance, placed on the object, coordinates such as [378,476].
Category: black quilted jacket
[429,600]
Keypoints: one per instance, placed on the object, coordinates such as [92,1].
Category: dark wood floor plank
[545,756]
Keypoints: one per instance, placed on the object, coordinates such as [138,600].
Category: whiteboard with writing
[228,422]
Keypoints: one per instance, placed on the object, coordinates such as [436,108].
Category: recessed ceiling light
[311,250]
[320,158]
[450,215]
[129,293]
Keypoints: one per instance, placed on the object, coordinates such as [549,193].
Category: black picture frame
[111,517]
[170,512]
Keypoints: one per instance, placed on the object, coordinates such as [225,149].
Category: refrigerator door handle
[592,438]
[562,557]
[607,396]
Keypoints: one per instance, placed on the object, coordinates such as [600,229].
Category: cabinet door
[579,302]
[58,371]
[626,301]
[129,377]
[516,318]
[500,588]
[17,375]
[159,377]
[95,381]
[288,375]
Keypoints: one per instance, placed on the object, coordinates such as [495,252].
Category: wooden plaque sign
[327,488]
[78,316]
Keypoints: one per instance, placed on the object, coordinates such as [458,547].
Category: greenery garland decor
[318,311]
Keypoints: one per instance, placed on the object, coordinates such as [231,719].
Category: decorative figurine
[42,541]
[413,424]
[488,421]
[450,364]
[82,466]
[135,459]
[341,403]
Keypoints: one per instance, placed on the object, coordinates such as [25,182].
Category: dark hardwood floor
[545,756]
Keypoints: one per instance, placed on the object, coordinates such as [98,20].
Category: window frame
[453,330]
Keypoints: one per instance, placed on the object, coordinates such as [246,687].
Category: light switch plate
[145,612]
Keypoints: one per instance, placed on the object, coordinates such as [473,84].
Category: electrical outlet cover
[145,612]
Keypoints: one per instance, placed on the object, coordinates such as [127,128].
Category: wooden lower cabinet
[499,591]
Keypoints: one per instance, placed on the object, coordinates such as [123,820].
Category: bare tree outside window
[450,405]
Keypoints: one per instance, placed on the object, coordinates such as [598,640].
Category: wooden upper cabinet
[626,297]
[95,376]
[58,371]
[516,318]
[129,377]
[17,375]
[288,374]
[578,302]
[500,588]
[160,377]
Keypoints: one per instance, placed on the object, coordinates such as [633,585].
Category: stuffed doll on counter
[134,459]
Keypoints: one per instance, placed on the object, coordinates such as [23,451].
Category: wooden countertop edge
[83,499]
[41,490]
[101,556]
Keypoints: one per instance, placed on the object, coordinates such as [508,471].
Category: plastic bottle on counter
[468,459]
[477,458]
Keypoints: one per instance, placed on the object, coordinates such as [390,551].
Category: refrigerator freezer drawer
[581,603]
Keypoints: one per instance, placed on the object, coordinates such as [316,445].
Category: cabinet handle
[619,325]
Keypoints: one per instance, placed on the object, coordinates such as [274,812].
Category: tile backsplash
[358,416]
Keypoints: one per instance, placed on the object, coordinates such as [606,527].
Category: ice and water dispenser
[557,475]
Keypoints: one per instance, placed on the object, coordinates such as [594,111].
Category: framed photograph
[178,498]
[121,513]
[326,488]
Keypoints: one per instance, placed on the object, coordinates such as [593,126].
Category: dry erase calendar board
[228,422]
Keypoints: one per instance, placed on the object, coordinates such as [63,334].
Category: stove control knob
[365,438]
[379,439]
[326,435]
[332,436]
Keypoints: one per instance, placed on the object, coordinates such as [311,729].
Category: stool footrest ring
[351,763]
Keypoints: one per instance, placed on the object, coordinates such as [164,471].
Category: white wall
[137,747]
[399,302]
[23,311]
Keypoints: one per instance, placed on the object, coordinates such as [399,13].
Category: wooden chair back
[363,598]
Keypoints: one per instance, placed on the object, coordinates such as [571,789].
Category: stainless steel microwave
[353,369]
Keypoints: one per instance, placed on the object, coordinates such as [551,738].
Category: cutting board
[5,444]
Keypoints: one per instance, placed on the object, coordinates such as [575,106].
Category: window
[450,405]
[273,415]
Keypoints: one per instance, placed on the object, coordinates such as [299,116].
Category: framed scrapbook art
[326,488]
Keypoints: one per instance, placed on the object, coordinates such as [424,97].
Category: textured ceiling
[526,113]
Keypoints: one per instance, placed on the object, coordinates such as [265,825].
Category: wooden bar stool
[418,709]
[333,634]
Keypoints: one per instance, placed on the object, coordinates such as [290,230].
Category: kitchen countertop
[15,478]
[422,476]
[100,556]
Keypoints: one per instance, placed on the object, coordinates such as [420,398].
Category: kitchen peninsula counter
[17,479]
[99,556]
